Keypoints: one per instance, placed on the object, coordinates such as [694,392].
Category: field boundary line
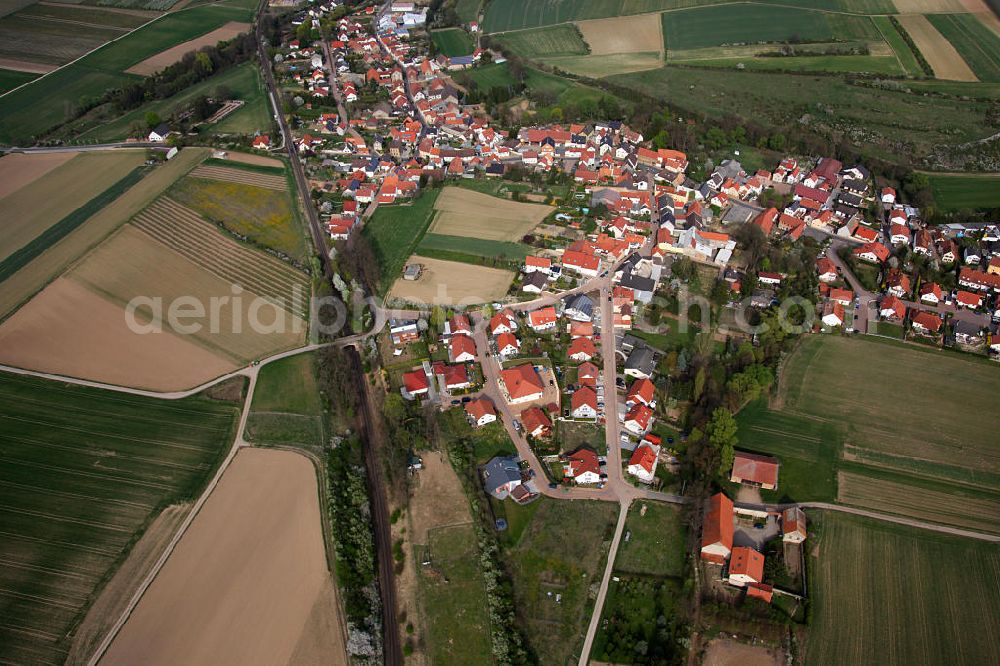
[902,520]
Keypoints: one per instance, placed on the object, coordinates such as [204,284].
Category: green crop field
[395,231]
[978,45]
[897,595]
[453,42]
[778,99]
[504,15]
[490,76]
[83,473]
[559,40]
[286,407]
[748,24]
[966,191]
[51,100]
[10,79]
[467,10]
[453,593]
[907,58]
[844,63]
[560,553]
[475,246]
[656,544]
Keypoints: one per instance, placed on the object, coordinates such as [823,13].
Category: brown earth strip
[940,54]
[25,66]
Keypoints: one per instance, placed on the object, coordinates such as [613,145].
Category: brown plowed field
[20,169]
[248,583]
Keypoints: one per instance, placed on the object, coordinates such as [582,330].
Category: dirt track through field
[248,583]
[623,34]
[155,63]
[19,169]
[940,54]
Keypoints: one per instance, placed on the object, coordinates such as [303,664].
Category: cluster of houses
[726,542]
[438,379]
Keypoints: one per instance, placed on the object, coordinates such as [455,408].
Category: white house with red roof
[503,322]
[827,270]
[581,349]
[968,299]
[746,566]
[458,324]
[755,470]
[480,412]
[508,345]
[534,264]
[583,466]
[583,403]
[461,349]
[642,464]
[521,384]
[638,419]
[587,374]
[930,292]
[585,264]
[543,320]
[415,382]
[641,392]
[793,525]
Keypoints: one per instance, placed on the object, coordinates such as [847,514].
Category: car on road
[517,425]
[456,402]
[553,485]
[467,399]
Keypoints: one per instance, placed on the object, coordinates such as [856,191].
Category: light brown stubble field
[452,283]
[940,54]
[248,582]
[623,34]
[153,64]
[20,169]
[474,215]
[69,330]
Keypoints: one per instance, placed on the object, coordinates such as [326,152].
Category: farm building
[717,530]
[746,567]
[755,470]
[793,525]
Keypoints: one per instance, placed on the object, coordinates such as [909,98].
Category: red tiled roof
[584,396]
[642,390]
[461,344]
[521,381]
[479,408]
[534,418]
[415,380]
[748,562]
[584,460]
[581,346]
[755,468]
[718,523]
[927,320]
[644,456]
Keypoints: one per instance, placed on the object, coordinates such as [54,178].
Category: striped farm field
[888,594]
[185,232]
[558,40]
[978,45]
[243,176]
[266,216]
[84,473]
[941,55]
[972,508]
[958,191]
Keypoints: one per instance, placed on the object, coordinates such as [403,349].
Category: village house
[833,314]
[793,525]
[581,349]
[638,419]
[521,384]
[583,466]
[745,566]
[583,403]
[536,422]
[461,349]
[415,382]
[480,412]
[587,374]
[891,308]
[501,475]
[641,392]
[508,345]
[925,323]
[642,463]
[543,320]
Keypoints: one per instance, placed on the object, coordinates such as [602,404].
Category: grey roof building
[501,475]
[640,363]
[579,307]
